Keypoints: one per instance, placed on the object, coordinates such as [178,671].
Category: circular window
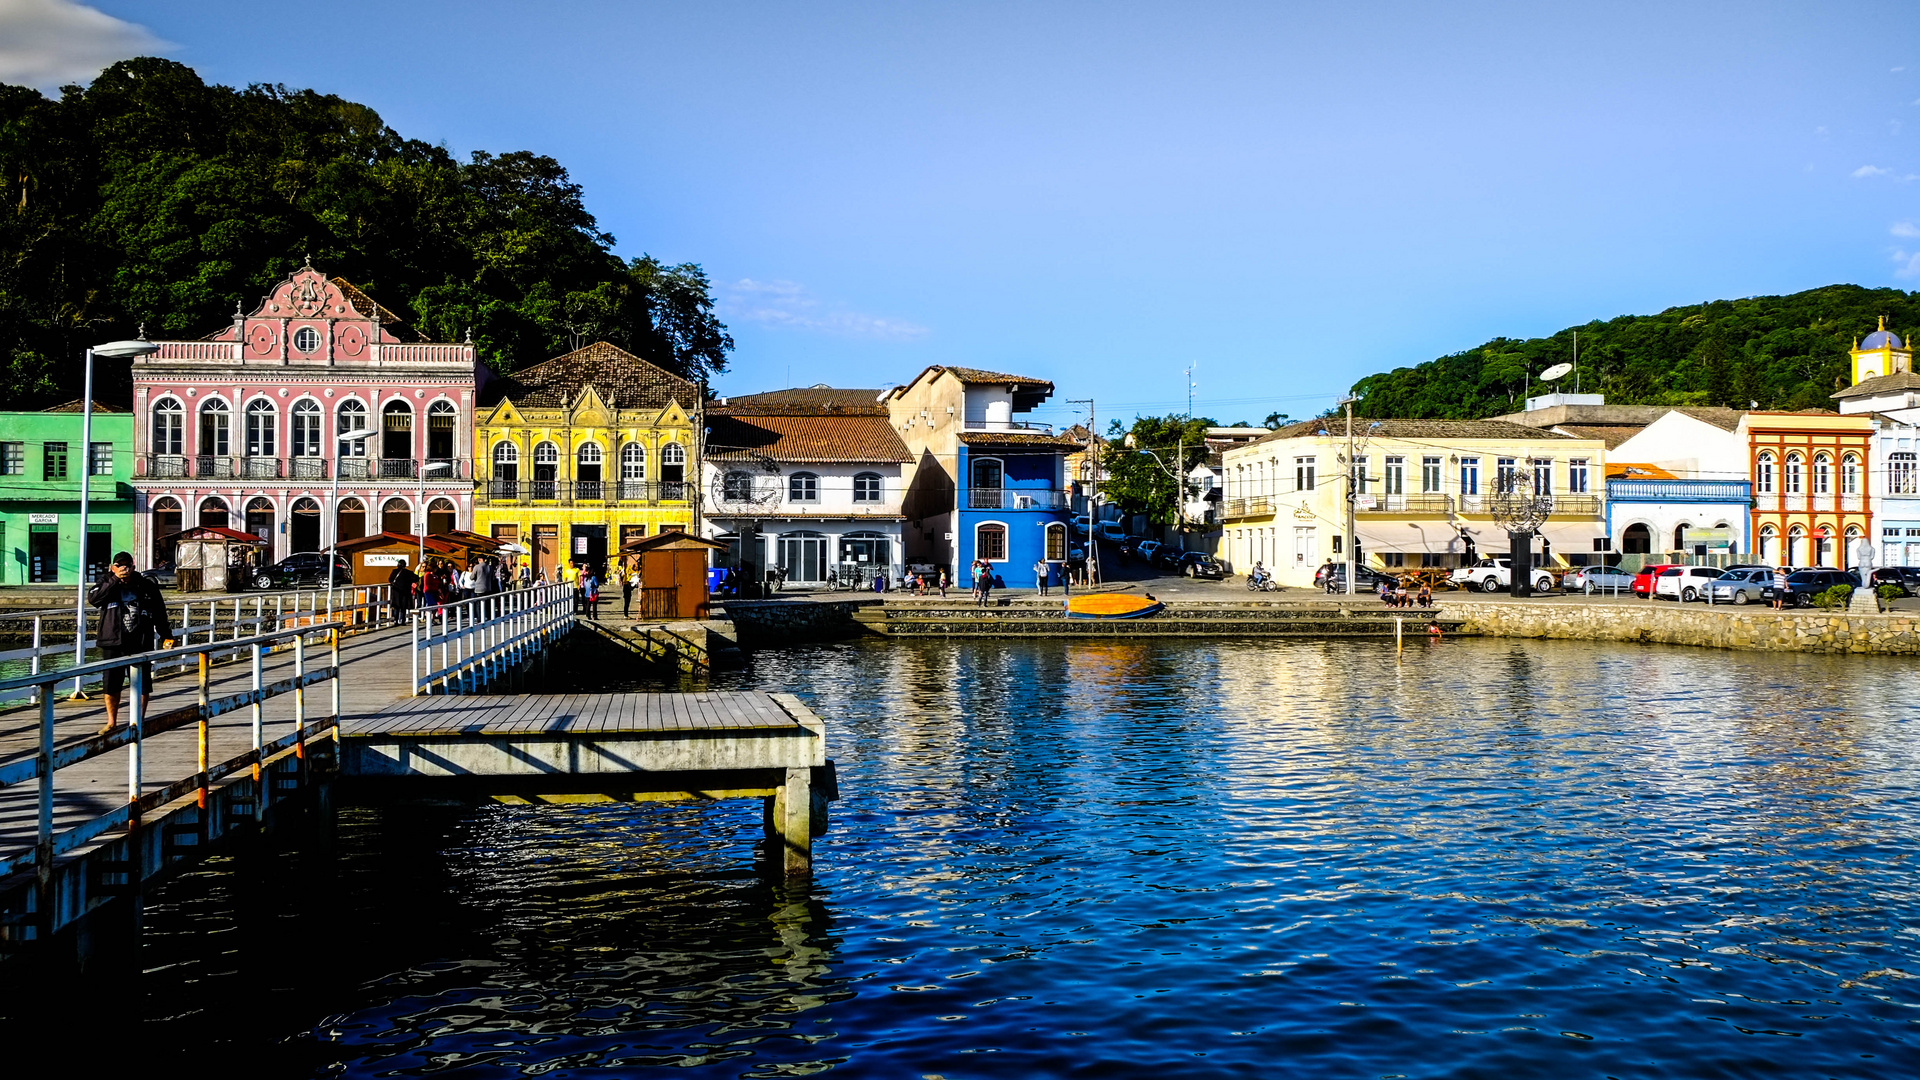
[306,339]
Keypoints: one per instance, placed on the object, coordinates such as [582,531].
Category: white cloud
[1909,264]
[1906,230]
[47,43]
[789,304]
[1865,171]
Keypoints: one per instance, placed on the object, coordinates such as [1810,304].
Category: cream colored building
[1421,494]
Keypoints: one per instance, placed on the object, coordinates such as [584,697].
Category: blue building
[983,484]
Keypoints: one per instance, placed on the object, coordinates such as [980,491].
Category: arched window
[586,471]
[1680,536]
[1903,473]
[505,483]
[303,526]
[1796,547]
[396,439]
[168,434]
[1794,480]
[352,523]
[737,487]
[1850,475]
[990,542]
[396,516]
[988,477]
[1056,542]
[443,422]
[1769,545]
[306,430]
[1636,540]
[213,512]
[866,487]
[216,429]
[260,518]
[441,517]
[1763,473]
[166,522]
[261,441]
[803,487]
[673,471]
[1851,554]
[352,452]
[633,471]
[546,470]
[1822,474]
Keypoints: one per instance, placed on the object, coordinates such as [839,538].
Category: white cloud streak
[1906,230]
[1909,264]
[1866,171]
[789,305]
[48,43]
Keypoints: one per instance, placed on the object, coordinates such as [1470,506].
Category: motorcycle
[1262,584]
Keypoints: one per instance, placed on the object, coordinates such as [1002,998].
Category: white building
[1691,495]
[1886,387]
[808,480]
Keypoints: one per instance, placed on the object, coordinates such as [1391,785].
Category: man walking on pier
[133,616]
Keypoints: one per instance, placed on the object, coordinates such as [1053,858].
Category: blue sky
[1288,197]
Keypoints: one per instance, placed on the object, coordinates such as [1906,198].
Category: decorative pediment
[588,409]
[672,416]
[503,414]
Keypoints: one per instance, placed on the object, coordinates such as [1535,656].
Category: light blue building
[984,485]
[1704,519]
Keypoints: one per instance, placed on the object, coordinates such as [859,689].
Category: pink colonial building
[238,429]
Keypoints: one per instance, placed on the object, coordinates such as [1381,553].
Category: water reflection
[1146,859]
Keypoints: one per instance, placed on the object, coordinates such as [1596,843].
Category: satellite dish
[1555,372]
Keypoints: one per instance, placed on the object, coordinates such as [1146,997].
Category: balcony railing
[1233,509]
[1017,498]
[1422,503]
[254,467]
[1576,505]
[1734,491]
[571,492]
[974,427]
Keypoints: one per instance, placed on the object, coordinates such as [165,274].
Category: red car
[1643,581]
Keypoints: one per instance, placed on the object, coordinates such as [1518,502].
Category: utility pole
[1352,465]
[1093,491]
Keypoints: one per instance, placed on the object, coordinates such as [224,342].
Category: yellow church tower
[1880,353]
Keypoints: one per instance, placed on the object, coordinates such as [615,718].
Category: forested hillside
[153,197]
[1784,352]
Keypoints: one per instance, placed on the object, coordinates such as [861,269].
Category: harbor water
[1063,858]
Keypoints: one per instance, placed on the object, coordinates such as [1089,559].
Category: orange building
[1809,472]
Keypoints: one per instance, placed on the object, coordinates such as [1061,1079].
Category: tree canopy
[1138,463]
[1783,352]
[152,197]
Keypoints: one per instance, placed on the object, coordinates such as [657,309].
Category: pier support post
[790,824]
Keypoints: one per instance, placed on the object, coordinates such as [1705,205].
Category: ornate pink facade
[239,428]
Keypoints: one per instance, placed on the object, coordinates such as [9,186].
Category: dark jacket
[106,596]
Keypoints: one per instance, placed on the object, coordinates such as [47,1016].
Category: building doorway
[804,555]
[546,550]
[99,551]
[166,522]
[1637,540]
[589,545]
[441,517]
[43,554]
[260,519]
[396,517]
[213,514]
[303,526]
[352,523]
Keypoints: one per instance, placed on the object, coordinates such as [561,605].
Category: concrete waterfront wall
[786,622]
[1757,628]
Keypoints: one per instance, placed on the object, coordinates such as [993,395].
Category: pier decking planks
[574,714]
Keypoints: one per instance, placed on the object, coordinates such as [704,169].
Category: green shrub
[1890,593]
[1836,597]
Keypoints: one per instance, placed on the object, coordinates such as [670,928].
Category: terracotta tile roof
[74,407]
[978,375]
[624,381]
[1019,438]
[1630,470]
[366,305]
[1611,434]
[824,438]
[1898,382]
[1336,427]
[773,402]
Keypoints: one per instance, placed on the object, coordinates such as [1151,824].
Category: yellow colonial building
[584,452]
[1421,495]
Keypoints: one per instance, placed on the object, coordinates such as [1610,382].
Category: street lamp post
[333,527]
[1352,536]
[425,468]
[118,350]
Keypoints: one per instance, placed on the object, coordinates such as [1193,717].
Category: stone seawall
[1763,629]
[790,622]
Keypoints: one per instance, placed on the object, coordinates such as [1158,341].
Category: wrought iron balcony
[498,492]
[1017,498]
[1429,502]
[1234,509]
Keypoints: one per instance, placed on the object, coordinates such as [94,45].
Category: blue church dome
[1880,339]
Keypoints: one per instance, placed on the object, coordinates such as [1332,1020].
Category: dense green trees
[153,197]
[1784,352]
[1139,463]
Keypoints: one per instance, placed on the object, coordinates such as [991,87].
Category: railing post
[258,720]
[414,654]
[142,679]
[299,695]
[206,687]
[333,645]
[39,692]
[43,842]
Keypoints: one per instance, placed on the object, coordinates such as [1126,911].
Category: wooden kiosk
[208,558]
[673,574]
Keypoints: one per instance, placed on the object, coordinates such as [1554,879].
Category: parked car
[1081,525]
[1199,564]
[1744,585]
[1493,574]
[307,569]
[1685,583]
[1904,578]
[1145,549]
[1130,545]
[1804,585]
[1168,558]
[1643,580]
[1365,580]
[1111,531]
[1597,579]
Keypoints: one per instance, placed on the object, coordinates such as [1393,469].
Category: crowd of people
[442,582]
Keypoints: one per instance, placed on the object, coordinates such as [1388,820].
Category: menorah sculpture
[1520,510]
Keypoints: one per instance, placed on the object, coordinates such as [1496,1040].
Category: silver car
[1598,579]
[1749,586]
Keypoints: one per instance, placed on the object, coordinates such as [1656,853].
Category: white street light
[425,468]
[113,350]
[333,531]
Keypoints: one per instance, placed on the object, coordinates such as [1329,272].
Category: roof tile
[624,381]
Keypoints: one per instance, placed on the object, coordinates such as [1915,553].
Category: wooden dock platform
[628,746]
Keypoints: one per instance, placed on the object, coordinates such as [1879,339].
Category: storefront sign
[384,558]
[43,519]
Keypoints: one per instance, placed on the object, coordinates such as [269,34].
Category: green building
[41,465]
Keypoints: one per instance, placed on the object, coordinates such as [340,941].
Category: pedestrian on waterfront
[1400,597]
[590,593]
[400,586]
[1426,595]
[526,575]
[1779,587]
[133,616]
[983,582]
[629,577]
[943,583]
[1041,571]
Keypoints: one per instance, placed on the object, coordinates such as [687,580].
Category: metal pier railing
[477,640]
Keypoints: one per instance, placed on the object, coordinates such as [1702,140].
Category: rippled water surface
[1503,859]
